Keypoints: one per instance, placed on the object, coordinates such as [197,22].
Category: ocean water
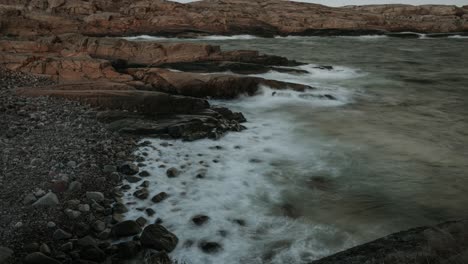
[312,176]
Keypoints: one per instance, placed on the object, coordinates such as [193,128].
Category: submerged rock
[210,247]
[200,220]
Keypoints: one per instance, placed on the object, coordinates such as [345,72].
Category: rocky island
[76,100]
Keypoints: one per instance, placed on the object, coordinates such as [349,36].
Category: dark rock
[210,247]
[120,208]
[60,234]
[144,174]
[45,249]
[149,211]
[96,196]
[172,172]
[86,242]
[48,200]
[141,194]
[200,219]
[126,228]
[128,250]
[159,258]
[159,238]
[5,254]
[39,258]
[129,168]
[31,247]
[132,179]
[93,254]
[141,221]
[160,197]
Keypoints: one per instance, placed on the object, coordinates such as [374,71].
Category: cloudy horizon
[370,2]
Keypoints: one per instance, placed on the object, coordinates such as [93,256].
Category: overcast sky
[367,2]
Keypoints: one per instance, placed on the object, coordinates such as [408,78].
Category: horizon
[339,3]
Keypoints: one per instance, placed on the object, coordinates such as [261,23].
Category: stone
[84,208]
[210,247]
[48,200]
[141,221]
[99,226]
[159,238]
[132,179]
[72,214]
[71,164]
[129,168]
[60,234]
[144,174]
[120,208]
[150,212]
[67,247]
[109,168]
[39,258]
[126,228]
[5,254]
[93,253]
[75,186]
[86,242]
[128,250]
[141,194]
[159,258]
[200,220]
[31,247]
[172,172]
[51,224]
[160,197]
[45,249]
[29,199]
[104,235]
[96,196]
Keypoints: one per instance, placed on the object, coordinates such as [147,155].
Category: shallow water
[312,176]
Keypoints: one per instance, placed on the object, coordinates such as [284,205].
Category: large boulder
[159,238]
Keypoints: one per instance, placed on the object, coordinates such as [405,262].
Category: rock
[210,247]
[39,258]
[150,212]
[129,168]
[5,254]
[141,221]
[74,186]
[159,258]
[48,200]
[132,179]
[67,247]
[99,226]
[126,228]
[141,194]
[128,250]
[160,197]
[109,168]
[104,235]
[29,199]
[120,208]
[159,238]
[51,224]
[31,247]
[86,241]
[84,208]
[60,234]
[71,164]
[144,174]
[172,172]
[96,196]
[44,248]
[93,254]
[72,214]
[200,220]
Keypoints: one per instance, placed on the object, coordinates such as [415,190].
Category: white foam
[245,180]
[458,37]
[235,37]
[145,38]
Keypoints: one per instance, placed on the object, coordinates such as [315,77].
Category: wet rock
[60,234]
[210,247]
[240,222]
[141,194]
[145,184]
[39,258]
[120,208]
[96,196]
[129,168]
[144,174]
[172,172]
[128,250]
[159,258]
[67,247]
[159,238]
[126,228]
[109,168]
[133,179]
[200,220]
[160,197]
[99,226]
[150,212]
[48,200]
[5,254]
[141,221]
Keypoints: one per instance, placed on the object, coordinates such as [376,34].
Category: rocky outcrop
[227,17]
[223,86]
[444,243]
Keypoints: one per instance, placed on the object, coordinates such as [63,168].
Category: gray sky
[367,2]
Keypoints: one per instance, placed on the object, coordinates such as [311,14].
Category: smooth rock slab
[159,238]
